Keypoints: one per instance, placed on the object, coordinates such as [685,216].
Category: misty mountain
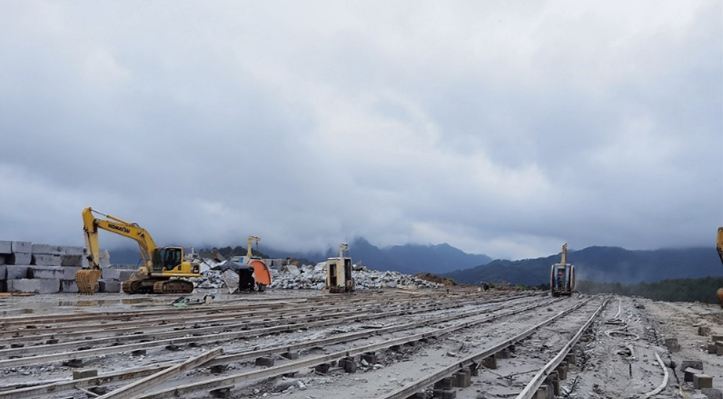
[602,264]
[409,258]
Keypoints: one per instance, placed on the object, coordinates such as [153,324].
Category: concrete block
[719,348]
[16,272]
[46,272]
[462,379]
[38,286]
[445,383]
[3,272]
[716,338]
[696,364]
[18,258]
[71,260]
[84,373]
[711,348]
[6,247]
[701,381]
[68,286]
[489,362]
[3,288]
[45,249]
[72,251]
[689,372]
[264,361]
[445,394]
[109,285]
[25,247]
[46,260]
[2,259]
[704,331]
[69,272]
[712,393]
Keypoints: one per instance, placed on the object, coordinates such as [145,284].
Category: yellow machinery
[161,269]
[338,272]
[719,247]
[562,276]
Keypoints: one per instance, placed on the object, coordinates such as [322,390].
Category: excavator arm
[91,224]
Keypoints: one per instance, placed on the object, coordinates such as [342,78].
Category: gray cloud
[496,127]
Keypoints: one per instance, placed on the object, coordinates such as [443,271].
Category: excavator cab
[167,258]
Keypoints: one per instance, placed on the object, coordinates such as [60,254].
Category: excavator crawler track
[157,286]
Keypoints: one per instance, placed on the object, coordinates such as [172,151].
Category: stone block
[3,272]
[689,372]
[444,383]
[72,251]
[719,348]
[16,272]
[111,273]
[489,363]
[712,393]
[68,286]
[462,379]
[264,361]
[3,288]
[45,249]
[704,331]
[6,247]
[109,285]
[46,260]
[25,247]
[69,272]
[38,286]
[716,338]
[701,381]
[46,272]
[18,258]
[84,373]
[445,394]
[2,259]
[71,260]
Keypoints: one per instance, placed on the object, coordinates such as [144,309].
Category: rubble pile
[313,277]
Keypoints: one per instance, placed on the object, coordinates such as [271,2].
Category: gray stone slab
[15,272]
[18,258]
[3,286]
[6,247]
[71,260]
[47,260]
[46,272]
[22,246]
[38,286]
[68,286]
[111,273]
[45,249]
[109,285]
[69,272]
[3,272]
[2,259]
[72,251]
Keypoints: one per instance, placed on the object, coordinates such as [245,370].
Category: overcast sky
[498,127]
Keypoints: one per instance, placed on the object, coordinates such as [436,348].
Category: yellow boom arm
[564,254]
[719,243]
[249,244]
[91,224]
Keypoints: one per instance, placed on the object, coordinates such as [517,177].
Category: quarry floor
[615,358]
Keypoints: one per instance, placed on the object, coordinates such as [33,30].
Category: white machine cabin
[338,272]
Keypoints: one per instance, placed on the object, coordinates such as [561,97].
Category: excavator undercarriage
[142,284]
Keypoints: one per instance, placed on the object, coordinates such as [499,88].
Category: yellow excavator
[162,267]
[719,247]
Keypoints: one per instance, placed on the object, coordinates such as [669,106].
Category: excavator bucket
[87,281]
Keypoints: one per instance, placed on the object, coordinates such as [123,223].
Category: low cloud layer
[496,127]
